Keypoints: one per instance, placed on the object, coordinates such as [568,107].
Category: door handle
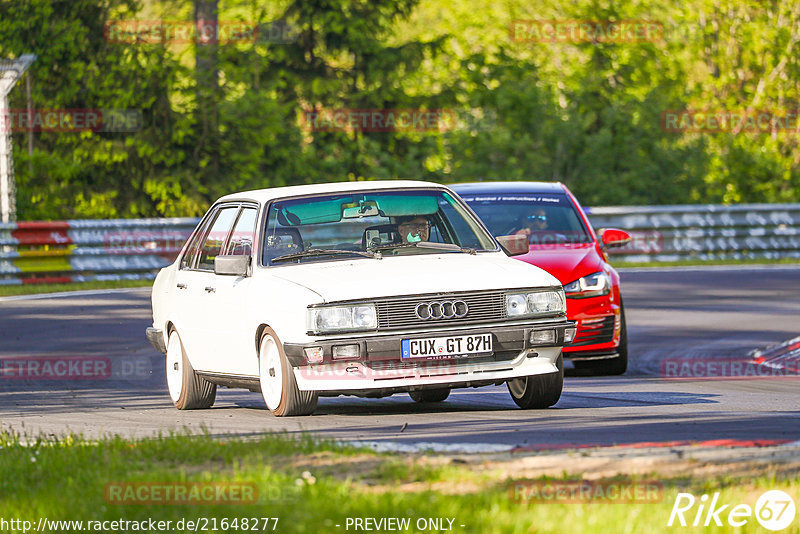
[181,286]
[210,289]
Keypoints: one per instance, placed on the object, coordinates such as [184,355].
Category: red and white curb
[782,356]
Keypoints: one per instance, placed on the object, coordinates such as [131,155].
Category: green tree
[96,174]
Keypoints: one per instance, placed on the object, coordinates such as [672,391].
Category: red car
[562,242]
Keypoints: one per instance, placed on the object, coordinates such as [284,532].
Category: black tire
[613,366]
[429,395]
[196,393]
[292,401]
[538,391]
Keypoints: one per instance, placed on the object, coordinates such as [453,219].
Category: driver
[414,229]
[536,228]
[535,222]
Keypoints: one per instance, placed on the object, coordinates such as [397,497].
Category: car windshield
[546,219]
[370,225]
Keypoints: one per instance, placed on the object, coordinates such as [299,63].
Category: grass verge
[33,289]
[313,486]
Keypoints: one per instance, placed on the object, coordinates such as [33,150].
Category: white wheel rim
[174,367]
[271,372]
[517,387]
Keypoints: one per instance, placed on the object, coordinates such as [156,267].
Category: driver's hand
[524,231]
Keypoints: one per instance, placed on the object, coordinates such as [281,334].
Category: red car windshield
[546,218]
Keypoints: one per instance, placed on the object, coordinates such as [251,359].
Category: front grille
[595,331]
[399,312]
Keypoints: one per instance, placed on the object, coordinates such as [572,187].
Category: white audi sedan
[355,288]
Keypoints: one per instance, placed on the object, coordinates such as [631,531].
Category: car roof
[265,195]
[507,187]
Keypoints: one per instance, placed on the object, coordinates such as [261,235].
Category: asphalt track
[679,315]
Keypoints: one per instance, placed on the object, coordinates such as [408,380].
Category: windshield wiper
[325,252]
[425,244]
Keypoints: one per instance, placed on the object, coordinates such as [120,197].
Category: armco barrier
[670,233]
[78,250]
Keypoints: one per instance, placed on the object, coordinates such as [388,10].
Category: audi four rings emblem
[446,309]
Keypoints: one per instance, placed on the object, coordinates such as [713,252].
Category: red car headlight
[592,285]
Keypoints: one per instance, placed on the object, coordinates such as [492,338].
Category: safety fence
[704,232]
[82,250]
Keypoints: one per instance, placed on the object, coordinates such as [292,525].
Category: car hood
[413,275]
[565,262]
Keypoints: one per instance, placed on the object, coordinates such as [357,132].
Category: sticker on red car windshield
[551,200]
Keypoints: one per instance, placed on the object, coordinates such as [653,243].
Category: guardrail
[671,233]
[81,250]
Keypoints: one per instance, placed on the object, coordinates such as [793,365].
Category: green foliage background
[587,114]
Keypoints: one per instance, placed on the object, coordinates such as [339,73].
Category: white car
[365,288]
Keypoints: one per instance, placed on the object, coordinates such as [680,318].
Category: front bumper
[156,338]
[506,339]
[391,377]
[379,365]
[599,324]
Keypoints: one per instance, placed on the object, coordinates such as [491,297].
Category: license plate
[433,347]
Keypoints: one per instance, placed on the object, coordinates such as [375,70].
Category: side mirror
[231,265]
[514,245]
[614,237]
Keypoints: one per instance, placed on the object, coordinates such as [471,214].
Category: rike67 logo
[774,510]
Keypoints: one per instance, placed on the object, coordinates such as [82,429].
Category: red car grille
[593,331]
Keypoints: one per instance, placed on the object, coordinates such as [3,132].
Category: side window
[280,239]
[243,236]
[464,234]
[438,232]
[212,246]
[191,251]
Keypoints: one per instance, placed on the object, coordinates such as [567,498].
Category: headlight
[342,318]
[535,303]
[593,285]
